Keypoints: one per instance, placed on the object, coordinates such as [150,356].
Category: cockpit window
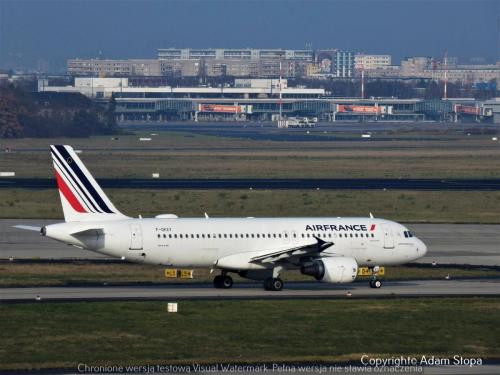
[408,234]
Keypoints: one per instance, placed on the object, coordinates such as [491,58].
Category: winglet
[322,245]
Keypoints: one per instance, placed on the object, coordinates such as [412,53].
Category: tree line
[51,114]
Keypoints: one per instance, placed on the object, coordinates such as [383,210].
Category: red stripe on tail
[68,194]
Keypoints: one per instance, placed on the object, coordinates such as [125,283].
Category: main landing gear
[223,281]
[374,282]
[274,284]
[271,279]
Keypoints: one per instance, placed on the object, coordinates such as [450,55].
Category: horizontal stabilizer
[28,227]
[89,232]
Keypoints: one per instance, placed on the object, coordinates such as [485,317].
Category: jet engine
[332,269]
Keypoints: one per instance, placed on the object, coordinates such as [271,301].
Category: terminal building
[263,100]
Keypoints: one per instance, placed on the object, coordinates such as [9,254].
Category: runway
[448,243]
[292,290]
[269,184]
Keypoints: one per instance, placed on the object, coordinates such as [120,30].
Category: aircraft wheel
[227,282]
[274,284]
[377,284]
[223,282]
[277,284]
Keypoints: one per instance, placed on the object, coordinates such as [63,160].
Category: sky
[53,31]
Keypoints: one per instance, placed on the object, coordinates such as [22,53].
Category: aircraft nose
[421,248]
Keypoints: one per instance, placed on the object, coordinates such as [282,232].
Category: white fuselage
[194,242]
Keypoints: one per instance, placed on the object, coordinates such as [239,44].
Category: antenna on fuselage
[206,216]
[371,215]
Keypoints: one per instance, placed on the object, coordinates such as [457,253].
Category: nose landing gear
[374,282]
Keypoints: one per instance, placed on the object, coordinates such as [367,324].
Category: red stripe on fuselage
[68,194]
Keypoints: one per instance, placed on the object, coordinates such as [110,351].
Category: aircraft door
[388,237]
[135,237]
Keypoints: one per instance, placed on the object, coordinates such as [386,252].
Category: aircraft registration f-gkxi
[330,249]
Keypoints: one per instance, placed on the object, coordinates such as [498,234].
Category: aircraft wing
[268,258]
[292,252]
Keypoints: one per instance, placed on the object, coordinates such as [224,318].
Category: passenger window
[274,235]
[253,235]
[169,236]
[202,236]
[279,235]
[373,235]
[247,235]
[225,235]
[230,235]
[350,235]
[258,235]
[208,235]
[175,235]
[159,235]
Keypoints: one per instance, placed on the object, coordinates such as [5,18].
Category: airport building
[270,63]
[371,62]
[113,68]
[249,100]
[234,54]
[335,63]
[429,68]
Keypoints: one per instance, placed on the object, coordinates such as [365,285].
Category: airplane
[330,249]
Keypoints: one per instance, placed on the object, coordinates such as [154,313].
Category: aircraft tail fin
[81,196]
